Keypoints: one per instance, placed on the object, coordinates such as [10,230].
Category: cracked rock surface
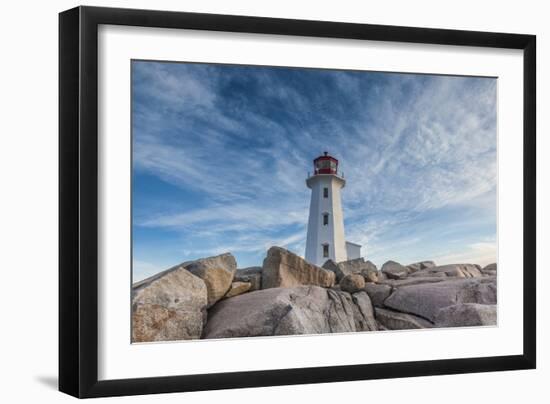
[282,268]
[290,311]
[425,300]
[169,306]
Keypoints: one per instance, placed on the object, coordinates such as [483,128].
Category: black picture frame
[78,200]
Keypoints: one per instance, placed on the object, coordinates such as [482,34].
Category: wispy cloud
[482,253]
[236,143]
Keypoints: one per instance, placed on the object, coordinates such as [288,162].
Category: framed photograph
[250,201]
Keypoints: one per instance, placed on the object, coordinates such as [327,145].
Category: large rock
[371,276]
[394,270]
[411,281]
[466,314]
[370,266]
[417,266]
[253,275]
[452,270]
[355,266]
[393,320]
[425,300]
[237,288]
[216,272]
[284,269]
[428,274]
[490,267]
[352,283]
[363,312]
[370,272]
[352,266]
[168,306]
[378,293]
[331,266]
[464,270]
[354,311]
[489,270]
[337,269]
[289,311]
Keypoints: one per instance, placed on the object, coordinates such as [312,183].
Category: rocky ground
[211,298]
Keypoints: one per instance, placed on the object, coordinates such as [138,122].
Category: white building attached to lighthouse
[325,230]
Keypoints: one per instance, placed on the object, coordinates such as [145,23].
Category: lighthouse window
[325,250]
[323,164]
[325,219]
[325,192]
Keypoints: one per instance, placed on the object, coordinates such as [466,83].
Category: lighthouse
[325,229]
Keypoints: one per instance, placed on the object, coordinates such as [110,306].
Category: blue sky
[221,154]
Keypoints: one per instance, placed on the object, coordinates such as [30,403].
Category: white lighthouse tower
[325,231]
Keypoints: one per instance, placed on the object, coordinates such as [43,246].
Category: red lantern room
[325,165]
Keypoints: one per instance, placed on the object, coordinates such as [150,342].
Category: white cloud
[482,253]
[229,217]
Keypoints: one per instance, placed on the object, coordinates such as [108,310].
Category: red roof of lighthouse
[325,164]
